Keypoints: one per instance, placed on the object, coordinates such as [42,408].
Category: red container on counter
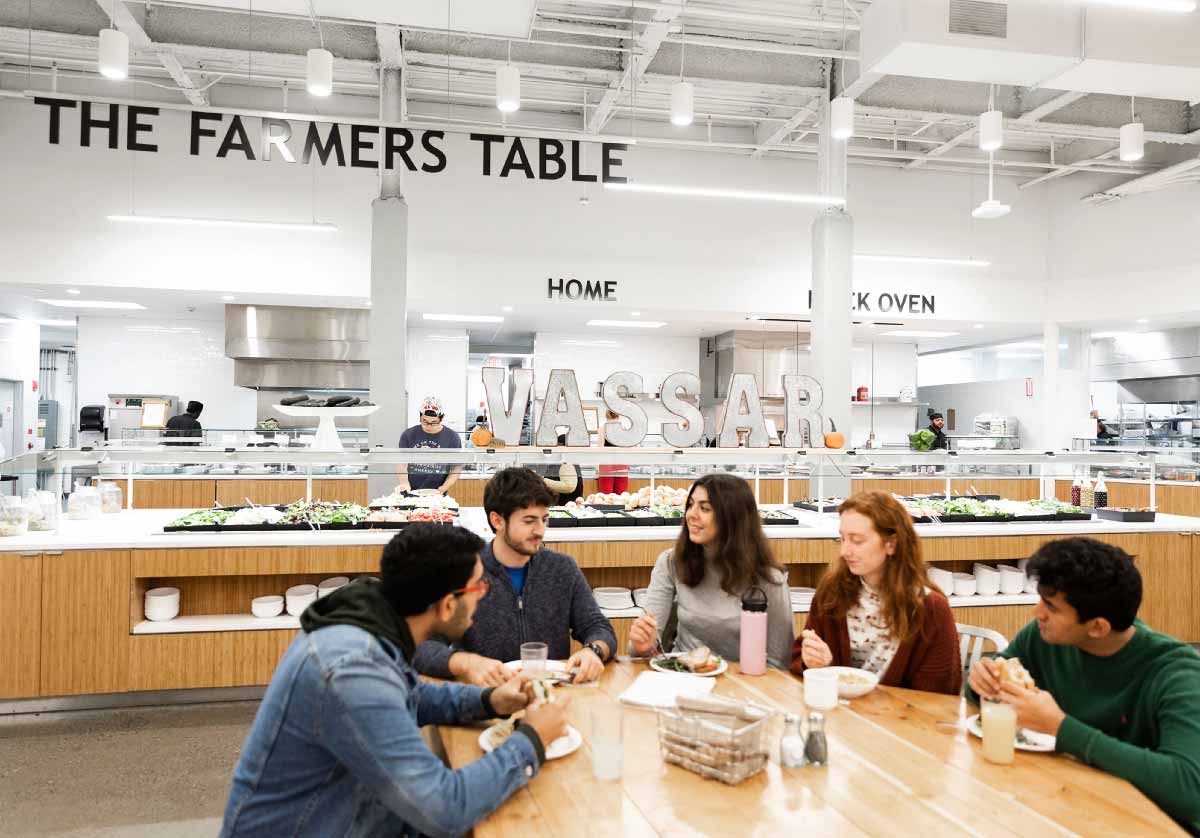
[863,394]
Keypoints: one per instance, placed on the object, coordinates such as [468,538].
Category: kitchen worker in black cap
[186,424]
[936,423]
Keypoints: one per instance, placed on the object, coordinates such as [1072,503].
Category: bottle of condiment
[791,746]
[1087,495]
[753,646]
[816,747]
[1101,493]
[1076,489]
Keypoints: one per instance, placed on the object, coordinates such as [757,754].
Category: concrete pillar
[389,304]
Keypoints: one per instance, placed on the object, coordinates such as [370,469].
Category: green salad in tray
[1057,506]
[671,513]
[318,514]
[203,518]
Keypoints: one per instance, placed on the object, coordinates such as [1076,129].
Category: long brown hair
[905,577]
[743,556]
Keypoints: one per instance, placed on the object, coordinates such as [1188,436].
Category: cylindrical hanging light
[319,80]
[991,130]
[114,54]
[841,118]
[508,88]
[1133,142]
[683,97]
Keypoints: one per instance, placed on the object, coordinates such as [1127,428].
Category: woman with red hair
[876,608]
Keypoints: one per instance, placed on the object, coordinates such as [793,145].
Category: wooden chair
[971,640]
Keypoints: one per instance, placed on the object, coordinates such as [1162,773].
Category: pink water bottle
[753,653]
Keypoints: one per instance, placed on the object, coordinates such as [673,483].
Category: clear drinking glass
[608,733]
[999,722]
[533,659]
[820,689]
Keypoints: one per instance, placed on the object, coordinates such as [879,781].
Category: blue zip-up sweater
[555,605]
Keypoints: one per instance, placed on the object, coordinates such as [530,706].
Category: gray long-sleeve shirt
[710,617]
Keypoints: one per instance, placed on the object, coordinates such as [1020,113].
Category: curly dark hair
[511,489]
[1097,579]
[424,562]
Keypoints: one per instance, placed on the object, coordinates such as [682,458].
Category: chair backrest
[971,640]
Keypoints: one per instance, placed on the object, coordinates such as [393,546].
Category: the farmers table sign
[563,408]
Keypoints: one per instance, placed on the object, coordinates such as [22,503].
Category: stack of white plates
[639,596]
[802,598]
[614,599]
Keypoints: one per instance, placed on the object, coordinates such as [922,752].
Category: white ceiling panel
[505,18]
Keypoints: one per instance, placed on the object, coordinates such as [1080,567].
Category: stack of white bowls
[614,599]
[266,606]
[944,579]
[1031,582]
[1012,580]
[300,597]
[987,580]
[964,584]
[639,596]
[330,585]
[802,598]
[162,604]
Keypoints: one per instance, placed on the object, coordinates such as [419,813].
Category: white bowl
[987,580]
[964,584]
[331,584]
[848,674]
[162,604]
[944,579]
[266,606]
[1031,584]
[300,597]
[1012,580]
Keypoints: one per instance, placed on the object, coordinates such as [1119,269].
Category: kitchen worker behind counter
[430,433]
[186,424]
[936,423]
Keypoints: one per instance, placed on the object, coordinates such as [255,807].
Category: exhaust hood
[294,347]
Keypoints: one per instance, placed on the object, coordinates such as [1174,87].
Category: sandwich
[1012,671]
[542,692]
[700,660]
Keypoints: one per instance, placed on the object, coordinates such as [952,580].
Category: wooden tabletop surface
[892,771]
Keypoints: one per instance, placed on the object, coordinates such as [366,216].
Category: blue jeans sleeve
[365,725]
[449,704]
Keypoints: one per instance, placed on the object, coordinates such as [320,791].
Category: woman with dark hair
[696,588]
[876,608]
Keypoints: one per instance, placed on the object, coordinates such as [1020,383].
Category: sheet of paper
[659,689]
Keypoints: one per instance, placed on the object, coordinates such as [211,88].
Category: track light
[1133,136]
[841,118]
[508,88]
[682,103]
[991,130]
[319,80]
[114,54]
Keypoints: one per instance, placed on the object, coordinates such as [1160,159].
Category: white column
[1053,424]
[389,305]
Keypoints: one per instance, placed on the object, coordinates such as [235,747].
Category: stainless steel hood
[768,356]
[294,347]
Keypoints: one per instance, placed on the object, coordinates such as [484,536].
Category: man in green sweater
[1116,694]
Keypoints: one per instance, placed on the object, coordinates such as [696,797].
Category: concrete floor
[133,773]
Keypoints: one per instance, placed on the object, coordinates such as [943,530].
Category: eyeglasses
[431,422]
[481,587]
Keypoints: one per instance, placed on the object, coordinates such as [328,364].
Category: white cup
[964,584]
[821,689]
[330,585]
[1012,580]
[266,606]
[944,579]
[987,580]
[162,604]
[300,597]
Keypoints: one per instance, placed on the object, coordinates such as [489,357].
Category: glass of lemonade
[999,722]
[533,660]
[608,728]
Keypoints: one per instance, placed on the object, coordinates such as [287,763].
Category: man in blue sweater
[536,595]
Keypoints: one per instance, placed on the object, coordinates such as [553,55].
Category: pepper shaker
[816,747]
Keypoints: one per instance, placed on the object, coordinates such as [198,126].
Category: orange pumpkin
[833,439]
[481,437]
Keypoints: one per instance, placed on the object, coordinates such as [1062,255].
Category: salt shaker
[791,746]
[816,747]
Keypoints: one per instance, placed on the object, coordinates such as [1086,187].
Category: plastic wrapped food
[110,498]
[14,517]
[43,509]
[84,503]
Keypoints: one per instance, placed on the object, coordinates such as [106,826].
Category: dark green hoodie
[361,604]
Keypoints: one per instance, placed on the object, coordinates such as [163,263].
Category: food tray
[1125,515]
[199,528]
[956,497]
[556,523]
[1073,516]
[1035,519]
[623,521]
[812,507]
[591,522]
[606,507]
[651,521]
[776,522]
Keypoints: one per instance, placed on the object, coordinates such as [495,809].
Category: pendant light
[114,50]
[991,208]
[841,109]
[991,125]
[319,80]
[508,86]
[683,94]
[1133,137]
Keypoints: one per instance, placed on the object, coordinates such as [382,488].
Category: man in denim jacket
[336,748]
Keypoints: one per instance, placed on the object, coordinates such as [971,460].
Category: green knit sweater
[1135,715]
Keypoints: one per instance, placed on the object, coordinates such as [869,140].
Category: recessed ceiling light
[990,209]
[635,314]
[977,326]
[73,291]
[1143,320]
[927,260]
[506,308]
[1103,335]
[739,194]
[69,324]
[229,298]
[93,304]
[628,324]
[367,303]
[918,333]
[463,318]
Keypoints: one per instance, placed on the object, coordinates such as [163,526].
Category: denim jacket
[336,748]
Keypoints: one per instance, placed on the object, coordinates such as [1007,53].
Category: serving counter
[71,619]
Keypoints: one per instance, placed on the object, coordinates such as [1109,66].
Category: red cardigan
[930,661]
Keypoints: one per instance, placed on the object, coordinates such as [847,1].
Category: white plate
[724,665]
[848,691]
[551,666]
[559,748]
[1041,743]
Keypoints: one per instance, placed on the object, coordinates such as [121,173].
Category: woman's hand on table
[814,651]
[1036,709]
[643,635]
[586,665]
[511,696]
[984,678]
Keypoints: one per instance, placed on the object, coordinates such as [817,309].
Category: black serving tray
[592,522]
[812,507]
[1073,516]
[961,497]
[650,521]
[1035,519]
[1123,515]
[623,521]
[606,507]
[198,528]
[558,523]
[777,522]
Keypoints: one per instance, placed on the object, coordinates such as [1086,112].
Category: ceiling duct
[1036,43]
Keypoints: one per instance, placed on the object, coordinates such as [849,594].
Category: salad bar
[393,511]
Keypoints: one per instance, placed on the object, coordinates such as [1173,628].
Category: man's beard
[519,547]
[456,626]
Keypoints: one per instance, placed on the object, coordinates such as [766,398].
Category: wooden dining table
[901,762]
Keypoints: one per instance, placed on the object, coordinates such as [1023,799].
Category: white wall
[437,365]
[19,353]
[184,358]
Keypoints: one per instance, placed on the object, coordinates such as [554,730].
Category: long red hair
[905,577]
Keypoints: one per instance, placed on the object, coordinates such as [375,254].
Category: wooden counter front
[892,771]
